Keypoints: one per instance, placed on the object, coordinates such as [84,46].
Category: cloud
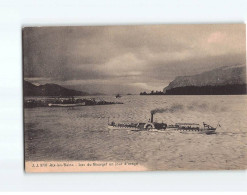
[216,37]
[150,55]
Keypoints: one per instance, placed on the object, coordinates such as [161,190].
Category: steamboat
[155,126]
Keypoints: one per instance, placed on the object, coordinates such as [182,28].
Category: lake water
[81,133]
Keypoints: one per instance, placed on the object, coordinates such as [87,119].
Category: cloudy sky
[128,59]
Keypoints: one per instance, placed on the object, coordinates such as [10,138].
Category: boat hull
[200,131]
[124,128]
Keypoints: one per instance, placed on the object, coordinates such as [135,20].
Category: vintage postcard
[135,98]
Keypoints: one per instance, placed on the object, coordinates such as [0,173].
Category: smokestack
[152,117]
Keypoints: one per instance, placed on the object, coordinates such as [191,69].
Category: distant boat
[118,96]
[66,105]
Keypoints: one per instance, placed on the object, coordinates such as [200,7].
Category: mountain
[223,80]
[49,90]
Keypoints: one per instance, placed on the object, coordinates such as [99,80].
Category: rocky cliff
[223,80]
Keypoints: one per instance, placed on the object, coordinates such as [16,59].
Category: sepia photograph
[134,97]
